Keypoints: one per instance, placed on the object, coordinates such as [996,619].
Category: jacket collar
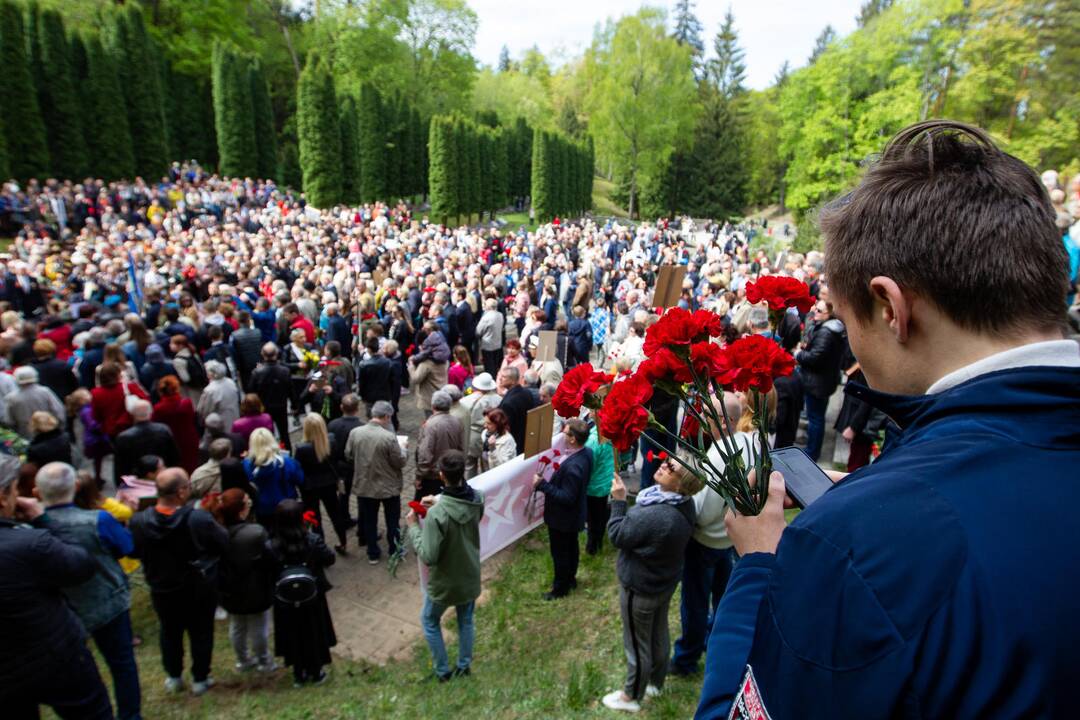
[1024,390]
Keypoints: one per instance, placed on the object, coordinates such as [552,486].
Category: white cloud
[769,31]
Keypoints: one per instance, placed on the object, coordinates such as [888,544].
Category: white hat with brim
[483,382]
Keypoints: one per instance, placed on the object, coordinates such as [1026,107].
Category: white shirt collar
[1051,353]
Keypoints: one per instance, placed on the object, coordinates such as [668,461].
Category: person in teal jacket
[449,544]
[597,509]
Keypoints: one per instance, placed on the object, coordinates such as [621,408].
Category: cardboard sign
[668,286]
[545,350]
[539,428]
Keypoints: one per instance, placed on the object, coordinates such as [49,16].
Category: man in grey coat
[377,461]
[439,433]
[28,399]
[483,398]
[220,395]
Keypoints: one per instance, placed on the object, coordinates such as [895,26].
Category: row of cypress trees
[243,117]
[470,167]
[80,104]
[356,150]
[562,175]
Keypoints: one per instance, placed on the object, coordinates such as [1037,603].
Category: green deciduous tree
[24,130]
[643,98]
[319,134]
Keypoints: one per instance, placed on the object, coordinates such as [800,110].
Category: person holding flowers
[564,506]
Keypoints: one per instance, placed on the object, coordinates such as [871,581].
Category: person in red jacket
[107,400]
[297,319]
[178,413]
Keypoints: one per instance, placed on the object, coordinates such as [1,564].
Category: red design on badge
[747,704]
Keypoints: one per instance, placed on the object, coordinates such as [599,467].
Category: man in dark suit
[143,438]
[339,429]
[516,403]
[564,507]
[337,328]
[466,323]
[373,376]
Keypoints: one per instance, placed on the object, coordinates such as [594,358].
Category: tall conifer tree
[263,115]
[234,120]
[350,150]
[24,130]
[319,133]
[58,100]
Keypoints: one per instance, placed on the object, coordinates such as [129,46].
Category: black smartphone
[805,481]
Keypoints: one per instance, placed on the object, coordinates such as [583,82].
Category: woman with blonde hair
[751,403]
[50,443]
[321,480]
[274,474]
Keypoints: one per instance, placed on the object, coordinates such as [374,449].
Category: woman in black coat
[246,582]
[50,442]
[320,478]
[303,631]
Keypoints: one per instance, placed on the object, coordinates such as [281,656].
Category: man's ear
[894,307]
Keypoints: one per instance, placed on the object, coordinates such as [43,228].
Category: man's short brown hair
[946,213]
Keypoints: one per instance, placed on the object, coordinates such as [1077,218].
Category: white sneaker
[373,561]
[174,685]
[200,688]
[651,691]
[614,701]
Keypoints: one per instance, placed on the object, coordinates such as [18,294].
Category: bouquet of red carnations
[683,361]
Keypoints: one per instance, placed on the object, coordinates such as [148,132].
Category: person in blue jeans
[449,544]
[102,602]
[819,369]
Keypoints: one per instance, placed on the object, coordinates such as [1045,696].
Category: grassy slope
[533,659]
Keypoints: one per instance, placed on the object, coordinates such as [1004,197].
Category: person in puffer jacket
[651,538]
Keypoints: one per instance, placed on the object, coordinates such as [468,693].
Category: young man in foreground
[939,581]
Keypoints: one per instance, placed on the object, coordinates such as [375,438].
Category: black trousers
[192,612]
[565,555]
[73,690]
[369,526]
[492,360]
[328,496]
[280,416]
[598,512]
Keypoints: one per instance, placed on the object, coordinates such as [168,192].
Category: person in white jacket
[709,556]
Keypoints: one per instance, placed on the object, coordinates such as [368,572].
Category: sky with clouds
[770,31]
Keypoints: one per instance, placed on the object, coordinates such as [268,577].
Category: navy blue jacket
[564,502]
[939,582]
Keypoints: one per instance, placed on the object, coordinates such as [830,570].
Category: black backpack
[196,372]
[296,585]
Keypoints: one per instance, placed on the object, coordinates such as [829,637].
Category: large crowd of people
[238,359]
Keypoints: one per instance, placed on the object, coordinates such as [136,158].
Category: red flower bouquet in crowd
[683,360]
[418,508]
[581,386]
[780,292]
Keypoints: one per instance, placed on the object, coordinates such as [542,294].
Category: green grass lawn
[533,659]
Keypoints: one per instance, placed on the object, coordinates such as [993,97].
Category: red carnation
[623,417]
[310,519]
[556,452]
[555,467]
[757,361]
[712,361]
[649,456]
[665,365]
[577,388]
[418,508]
[780,292]
[679,328]
[544,460]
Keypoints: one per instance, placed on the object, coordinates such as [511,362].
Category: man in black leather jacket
[819,371]
[272,382]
